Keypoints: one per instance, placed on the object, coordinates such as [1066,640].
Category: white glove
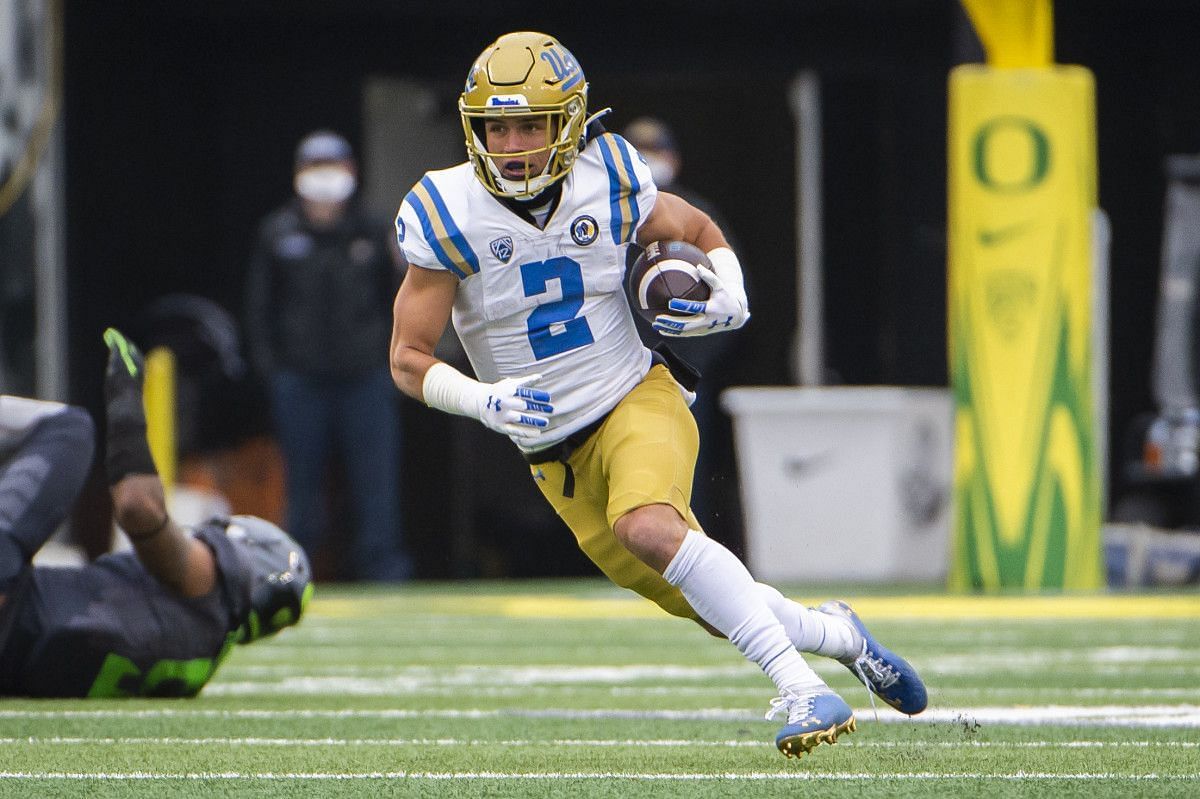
[507,406]
[726,308]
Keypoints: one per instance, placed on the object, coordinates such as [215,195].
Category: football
[666,270]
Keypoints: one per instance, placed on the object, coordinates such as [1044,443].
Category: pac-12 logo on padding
[502,248]
[584,230]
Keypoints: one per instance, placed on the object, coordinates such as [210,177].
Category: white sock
[721,590]
[810,630]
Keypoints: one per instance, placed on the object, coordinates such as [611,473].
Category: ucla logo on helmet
[563,64]
[502,248]
[584,230]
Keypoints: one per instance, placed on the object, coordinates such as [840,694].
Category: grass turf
[572,688]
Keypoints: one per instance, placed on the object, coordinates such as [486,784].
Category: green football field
[575,689]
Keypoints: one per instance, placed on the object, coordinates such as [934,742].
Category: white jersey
[542,301]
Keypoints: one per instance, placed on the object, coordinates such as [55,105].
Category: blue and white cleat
[813,718]
[885,673]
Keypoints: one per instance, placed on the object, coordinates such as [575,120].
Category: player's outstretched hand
[127,451]
[723,310]
[511,407]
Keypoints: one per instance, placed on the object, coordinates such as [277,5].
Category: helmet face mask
[521,75]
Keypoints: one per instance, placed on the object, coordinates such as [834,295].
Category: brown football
[666,270]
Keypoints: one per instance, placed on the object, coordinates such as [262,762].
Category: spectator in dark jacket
[318,324]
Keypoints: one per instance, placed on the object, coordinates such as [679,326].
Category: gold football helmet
[517,75]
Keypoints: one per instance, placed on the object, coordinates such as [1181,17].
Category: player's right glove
[726,308]
[508,406]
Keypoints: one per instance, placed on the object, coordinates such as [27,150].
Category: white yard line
[575,742]
[1081,715]
[751,691]
[1164,716]
[801,776]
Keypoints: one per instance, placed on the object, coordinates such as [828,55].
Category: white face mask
[326,184]
[660,169]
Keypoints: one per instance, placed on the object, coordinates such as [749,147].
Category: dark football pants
[39,483]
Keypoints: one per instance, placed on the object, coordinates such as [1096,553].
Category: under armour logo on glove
[518,411]
[723,309]
[507,406]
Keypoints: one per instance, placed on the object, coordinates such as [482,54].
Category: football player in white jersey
[524,247]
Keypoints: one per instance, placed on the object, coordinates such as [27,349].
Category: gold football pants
[643,454]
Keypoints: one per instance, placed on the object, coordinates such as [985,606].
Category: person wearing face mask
[716,474]
[318,320]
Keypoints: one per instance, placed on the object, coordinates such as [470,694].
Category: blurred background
[175,136]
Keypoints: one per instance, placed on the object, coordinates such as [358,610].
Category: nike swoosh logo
[991,237]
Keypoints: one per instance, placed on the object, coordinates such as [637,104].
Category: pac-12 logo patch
[502,248]
[584,230]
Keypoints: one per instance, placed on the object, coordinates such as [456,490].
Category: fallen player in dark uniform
[155,621]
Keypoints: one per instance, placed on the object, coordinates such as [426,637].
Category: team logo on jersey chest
[502,248]
[584,230]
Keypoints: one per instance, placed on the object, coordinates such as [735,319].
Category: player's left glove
[509,406]
[127,451]
[726,308]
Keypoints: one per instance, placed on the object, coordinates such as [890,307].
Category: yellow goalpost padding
[159,397]
[1022,191]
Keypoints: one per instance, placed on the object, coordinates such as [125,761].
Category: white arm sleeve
[449,390]
[725,264]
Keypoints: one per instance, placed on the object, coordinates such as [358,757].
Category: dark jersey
[110,629]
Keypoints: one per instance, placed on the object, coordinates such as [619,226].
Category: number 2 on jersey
[574,331]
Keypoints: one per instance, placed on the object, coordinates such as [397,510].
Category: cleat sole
[799,745]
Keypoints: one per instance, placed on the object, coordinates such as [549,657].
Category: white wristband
[725,264]
[449,390]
